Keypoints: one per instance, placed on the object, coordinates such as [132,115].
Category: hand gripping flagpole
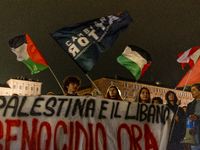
[57,80]
[181,99]
[93,83]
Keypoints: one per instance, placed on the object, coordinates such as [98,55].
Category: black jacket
[178,131]
[190,111]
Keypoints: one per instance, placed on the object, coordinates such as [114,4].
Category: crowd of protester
[177,133]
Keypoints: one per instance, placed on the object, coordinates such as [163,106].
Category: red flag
[194,77]
[189,57]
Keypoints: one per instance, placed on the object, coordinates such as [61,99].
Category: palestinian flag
[189,57]
[28,53]
[135,59]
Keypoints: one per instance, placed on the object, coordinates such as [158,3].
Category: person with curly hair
[70,85]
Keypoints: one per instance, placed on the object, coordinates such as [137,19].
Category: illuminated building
[21,86]
[131,88]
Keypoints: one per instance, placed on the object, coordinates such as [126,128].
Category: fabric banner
[79,123]
[85,41]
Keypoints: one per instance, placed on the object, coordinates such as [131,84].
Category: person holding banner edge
[177,131]
[70,85]
[193,112]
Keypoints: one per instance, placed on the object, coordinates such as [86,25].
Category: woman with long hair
[113,93]
[143,95]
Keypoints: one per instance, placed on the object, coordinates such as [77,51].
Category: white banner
[79,123]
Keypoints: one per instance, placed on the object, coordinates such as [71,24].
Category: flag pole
[93,83]
[57,80]
[129,91]
[187,81]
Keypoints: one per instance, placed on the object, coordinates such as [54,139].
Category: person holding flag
[190,57]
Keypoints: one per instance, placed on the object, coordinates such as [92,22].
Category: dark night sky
[162,28]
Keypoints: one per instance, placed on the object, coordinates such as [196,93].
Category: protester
[70,85]
[113,93]
[143,95]
[87,95]
[177,130]
[193,112]
[157,100]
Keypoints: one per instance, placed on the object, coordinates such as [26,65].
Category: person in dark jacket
[193,112]
[178,125]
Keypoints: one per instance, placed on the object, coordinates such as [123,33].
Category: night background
[162,28]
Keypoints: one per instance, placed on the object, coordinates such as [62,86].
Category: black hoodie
[178,131]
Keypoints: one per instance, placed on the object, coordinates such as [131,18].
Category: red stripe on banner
[126,127]
[79,127]
[1,133]
[9,138]
[103,131]
[90,125]
[26,138]
[71,135]
[64,126]
[34,53]
[150,140]
[136,139]
[48,140]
